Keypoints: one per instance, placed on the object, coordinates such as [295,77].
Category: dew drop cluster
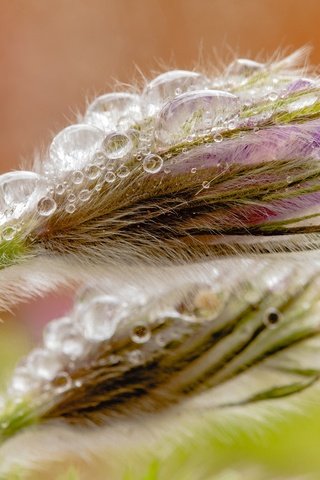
[143,131]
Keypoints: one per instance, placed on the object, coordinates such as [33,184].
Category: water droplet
[114,110]
[77,177]
[46,206]
[8,233]
[70,208]
[44,364]
[193,170]
[140,333]
[18,192]
[167,85]
[205,184]
[123,171]
[99,318]
[62,382]
[73,147]
[302,102]
[117,145]
[22,381]
[152,163]
[273,96]
[84,195]
[232,125]
[63,336]
[243,67]
[217,138]
[71,197]
[60,189]
[110,177]
[136,357]
[193,112]
[272,317]
[92,171]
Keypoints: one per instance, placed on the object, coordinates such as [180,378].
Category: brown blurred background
[55,53]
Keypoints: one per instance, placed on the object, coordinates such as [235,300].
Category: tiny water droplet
[272,317]
[110,177]
[62,382]
[46,206]
[193,170]
[8,233]
[152,163]
[140,333]
[70,208]
[99,318]
[60,189]
[117,145]
[205,184]
[136,357]
[123,171]
[84,195]
[273,96]
[217,138]
[77,177]
[92,171]
[72,198]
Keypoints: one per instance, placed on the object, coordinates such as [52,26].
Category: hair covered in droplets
[186,211]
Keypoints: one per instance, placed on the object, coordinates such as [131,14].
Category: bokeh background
[55,54]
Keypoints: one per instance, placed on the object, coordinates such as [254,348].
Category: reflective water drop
[123,171]
[99,318]
[232,125]
[92,171]
[193,170]
[114,110]
[141,333]
[18,191]
[44,363]
[8,233]
[110,177]
[63,336]
[84,195]
[192,113]
[152,163]
[167,85]
[60,189]
[273,96]
[70,208]
[22,381]
[71,197]
[243,67]
[74,146]
[205,184]
[62,382]
[117,145]
[136,357]
[217,138]
[272,317]
[77,177]
[46,206]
